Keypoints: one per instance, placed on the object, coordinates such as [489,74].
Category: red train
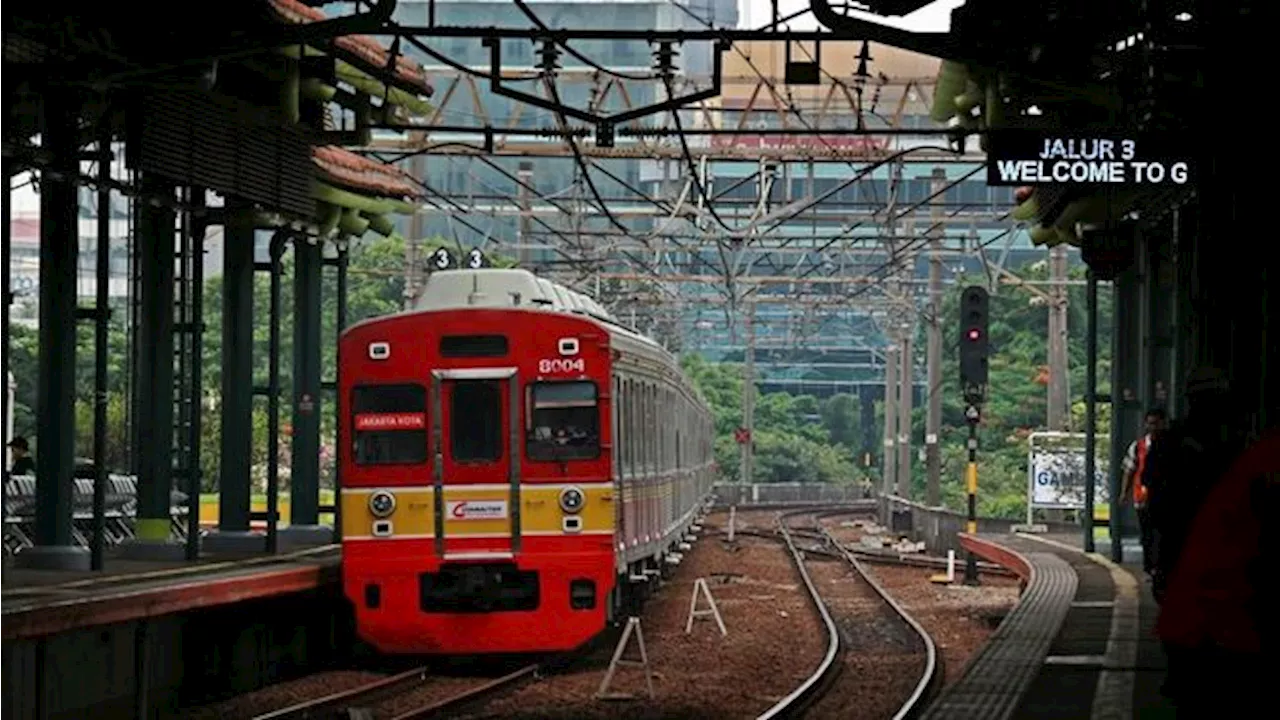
[511,461]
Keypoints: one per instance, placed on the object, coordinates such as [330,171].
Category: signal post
[973,380]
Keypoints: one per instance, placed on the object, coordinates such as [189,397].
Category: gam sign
[1021,157]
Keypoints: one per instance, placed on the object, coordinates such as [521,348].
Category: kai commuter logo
[476,509]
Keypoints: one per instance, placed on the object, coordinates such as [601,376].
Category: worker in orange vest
[1135,461]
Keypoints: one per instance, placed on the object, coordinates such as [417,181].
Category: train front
[477,504]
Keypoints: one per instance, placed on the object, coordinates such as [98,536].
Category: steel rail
[451,703]
[326,705]
[927,563]
[932,675]
[813,686]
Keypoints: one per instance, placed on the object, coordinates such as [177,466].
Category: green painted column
[304,492]
[56,375]
[153,391]
[237,385]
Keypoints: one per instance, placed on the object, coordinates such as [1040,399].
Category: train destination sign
[1017,157]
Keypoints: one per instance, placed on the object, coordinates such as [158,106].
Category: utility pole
[906,385]
[749,394]
[1059,412]
[524,240]
[890,418]
[903,326]
[933,419]
[412,250]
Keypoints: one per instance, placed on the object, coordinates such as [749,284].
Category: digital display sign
[1036,157]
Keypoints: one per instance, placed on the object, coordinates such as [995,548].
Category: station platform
[1079,644]
[40,603]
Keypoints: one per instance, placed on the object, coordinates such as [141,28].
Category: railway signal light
[973,343]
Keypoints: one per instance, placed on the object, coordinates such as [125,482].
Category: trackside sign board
[1034,157]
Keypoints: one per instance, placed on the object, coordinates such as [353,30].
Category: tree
[790,446]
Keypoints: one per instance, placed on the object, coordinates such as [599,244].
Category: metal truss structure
[763,182]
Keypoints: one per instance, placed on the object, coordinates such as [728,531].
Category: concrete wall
[174,661]
[936,527]
[770,493]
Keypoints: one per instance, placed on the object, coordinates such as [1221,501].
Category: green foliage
[797,438]
[1016,398]
[375,287]
[790,445]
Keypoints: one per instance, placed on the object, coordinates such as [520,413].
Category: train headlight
[382,504]
[571,500]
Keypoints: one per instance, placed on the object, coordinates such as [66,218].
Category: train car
[512,461]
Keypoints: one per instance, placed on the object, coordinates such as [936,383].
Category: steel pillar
[1090,406]
[5,300]
[102,314]
[153,393]
[56,376]
[304,480]
[305,474]
[1126,403]
[274,266]
[234,483]
[195,230]
[342,265]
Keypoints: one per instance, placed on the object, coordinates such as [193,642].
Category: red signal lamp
[974,334]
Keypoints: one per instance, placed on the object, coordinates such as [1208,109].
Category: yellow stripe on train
[414,514]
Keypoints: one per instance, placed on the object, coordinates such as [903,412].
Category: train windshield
[390,424]
[563,422]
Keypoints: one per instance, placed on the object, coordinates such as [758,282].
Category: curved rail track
[819,683]
[363,699]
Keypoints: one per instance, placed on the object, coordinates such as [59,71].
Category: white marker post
[950,577]
[733,510]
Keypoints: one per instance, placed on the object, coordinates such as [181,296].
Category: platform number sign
[441,259]
[476,259]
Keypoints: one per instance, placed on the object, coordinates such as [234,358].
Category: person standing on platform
[23,464]
[1218,621]
[1183,465]
[1135,461]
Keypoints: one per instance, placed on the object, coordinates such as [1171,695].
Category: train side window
[389,424]
[565,421]
[475,418]
[617,424]
[627,434]
[651,427]
[646,433]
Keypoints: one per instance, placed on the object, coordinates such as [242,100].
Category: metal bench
[121,510]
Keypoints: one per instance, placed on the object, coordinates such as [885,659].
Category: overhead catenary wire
[579,56]
[896,256]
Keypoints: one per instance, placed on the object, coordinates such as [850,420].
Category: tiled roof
[343,167]
[369,49]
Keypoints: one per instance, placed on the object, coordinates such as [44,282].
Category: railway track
[816,540]
[413,695]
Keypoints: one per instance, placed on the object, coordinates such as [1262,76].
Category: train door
[477,462]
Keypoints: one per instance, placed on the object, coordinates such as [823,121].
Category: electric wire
[582,58]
